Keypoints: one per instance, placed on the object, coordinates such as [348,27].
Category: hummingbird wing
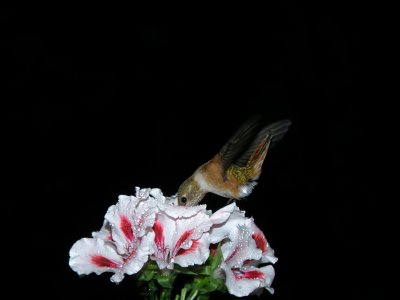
[239,142]
[266,138]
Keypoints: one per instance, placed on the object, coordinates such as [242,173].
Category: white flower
[244,247]
[150,225]
[261,243]
[123,244]
[224,220]
[181,235]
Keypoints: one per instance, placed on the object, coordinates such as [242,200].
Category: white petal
[172,200]
[164,229]
[117,277]
[162,264]
[181,211]
[135,263]
[220,231]
[158,195]
[196,225]
[269,255]
[261,242]
[222,215]
[168,229]
[120,218]
[242,282]
[241,247]
[90,255]
[104,233]
[142,194]
[174,234]
[196,254]
[269,274]
[144,216]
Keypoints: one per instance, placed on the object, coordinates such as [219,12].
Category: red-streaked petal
[158,229]
[241,247]
[233,254]
[248,274]
[196,254]
[103,262]
[192,249]
[243,281]
[261,242]
[139,257]
[183,238]
[126,228]
[94,255]
[179,231]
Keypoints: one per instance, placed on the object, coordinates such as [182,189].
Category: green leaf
[212,263]
[187,271]
[146,275]
[212,285]
[148,272]
[166,280]
[217,259]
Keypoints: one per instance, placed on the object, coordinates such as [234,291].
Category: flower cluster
[148,233]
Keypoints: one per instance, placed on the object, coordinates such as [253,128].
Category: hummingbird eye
[183,200]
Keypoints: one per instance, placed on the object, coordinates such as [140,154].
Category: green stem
[193,294]
[152,290]
[183,294]
[196,288]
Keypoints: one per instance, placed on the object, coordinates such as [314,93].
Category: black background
[101,99]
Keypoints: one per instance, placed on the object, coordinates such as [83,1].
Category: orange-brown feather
[212,172]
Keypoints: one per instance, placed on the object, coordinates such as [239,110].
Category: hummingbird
[233,172]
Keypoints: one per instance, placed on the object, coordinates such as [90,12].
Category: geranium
[123,244]
[240,265]
[150,236]
[244,248]
[181,236]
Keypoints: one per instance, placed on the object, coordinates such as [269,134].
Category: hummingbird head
[190,193]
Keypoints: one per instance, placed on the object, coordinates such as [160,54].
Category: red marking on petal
[103,262]
[234,252]
[126,228]
[261,242]
[132,255]
[182,239]
[159,234]
[252,274]
[110,238]
[249,274]
[192,248]
[248,261]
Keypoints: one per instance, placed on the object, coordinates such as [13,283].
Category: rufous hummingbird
[233,171]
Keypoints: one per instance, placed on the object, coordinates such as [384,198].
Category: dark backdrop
[102,99]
